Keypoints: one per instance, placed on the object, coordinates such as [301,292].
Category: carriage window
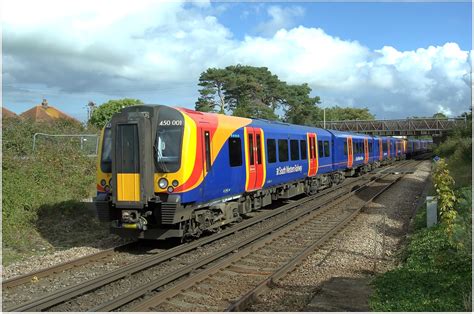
[235,152]
[313,147]
[252,157]
[326,149]
[384,145]
[345,148]
[295,154]
[320,149]
[282,150]
[127,150]
[303,150]
[271,151]
[259,150]
[370,146]
[207,144]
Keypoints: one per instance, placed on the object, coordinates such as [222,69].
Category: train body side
[168,172]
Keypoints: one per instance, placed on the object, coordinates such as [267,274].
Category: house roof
[7,113]
[45,113]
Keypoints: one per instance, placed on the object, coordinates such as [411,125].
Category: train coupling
[131,219]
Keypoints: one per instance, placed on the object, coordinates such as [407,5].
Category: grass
[435,276]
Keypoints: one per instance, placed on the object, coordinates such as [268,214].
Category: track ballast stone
[331,278]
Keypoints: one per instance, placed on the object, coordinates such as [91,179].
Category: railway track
[68,293]
[256,265]
[55,269]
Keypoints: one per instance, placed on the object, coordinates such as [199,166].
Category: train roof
[345,133]
[289,127]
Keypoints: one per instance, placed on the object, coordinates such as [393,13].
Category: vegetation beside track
[42,190]
[436,269]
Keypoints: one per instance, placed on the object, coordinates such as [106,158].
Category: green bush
[457,149]
[434,277]
[53,174]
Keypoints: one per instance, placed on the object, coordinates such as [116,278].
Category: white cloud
[115,48]
[280,18]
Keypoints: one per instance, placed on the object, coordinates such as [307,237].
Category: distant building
[45,113]
[8,114]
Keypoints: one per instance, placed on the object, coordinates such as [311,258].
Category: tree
[299,107]
[212,93]
[104,112]
[440,115]
[249,91]
[347,113]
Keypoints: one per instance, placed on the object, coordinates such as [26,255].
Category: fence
[87,143]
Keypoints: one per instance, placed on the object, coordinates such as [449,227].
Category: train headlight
[175,183]
[162,183]
[103,182]
[110,182]
[170,189]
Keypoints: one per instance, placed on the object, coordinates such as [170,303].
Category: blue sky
[397,59]
[406,26]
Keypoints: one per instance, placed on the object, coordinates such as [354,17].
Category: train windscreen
[106,156]
[169,136]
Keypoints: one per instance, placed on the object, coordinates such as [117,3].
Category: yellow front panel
[128,187]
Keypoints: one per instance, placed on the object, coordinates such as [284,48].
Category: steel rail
[241,251]
[251,296]
[124,299]
[35,275]
[67,293]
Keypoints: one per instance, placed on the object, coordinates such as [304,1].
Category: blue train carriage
[386,150]
[377,151]
[173,172]
[399,148]
[299,159]
[412,147]
[351,152]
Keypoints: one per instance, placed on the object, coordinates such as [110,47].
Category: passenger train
[167,172]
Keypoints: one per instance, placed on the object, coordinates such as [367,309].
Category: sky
[398,59]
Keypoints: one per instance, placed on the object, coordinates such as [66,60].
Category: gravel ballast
[331,278]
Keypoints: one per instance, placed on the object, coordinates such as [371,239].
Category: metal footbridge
[406,127]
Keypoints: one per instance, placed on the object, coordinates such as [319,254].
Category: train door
[255,163]
[206,152]
[312,139]
[350,155]
[366,150]
[380,149]
[132,164]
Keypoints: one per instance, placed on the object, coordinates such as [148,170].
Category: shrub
[53,174]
